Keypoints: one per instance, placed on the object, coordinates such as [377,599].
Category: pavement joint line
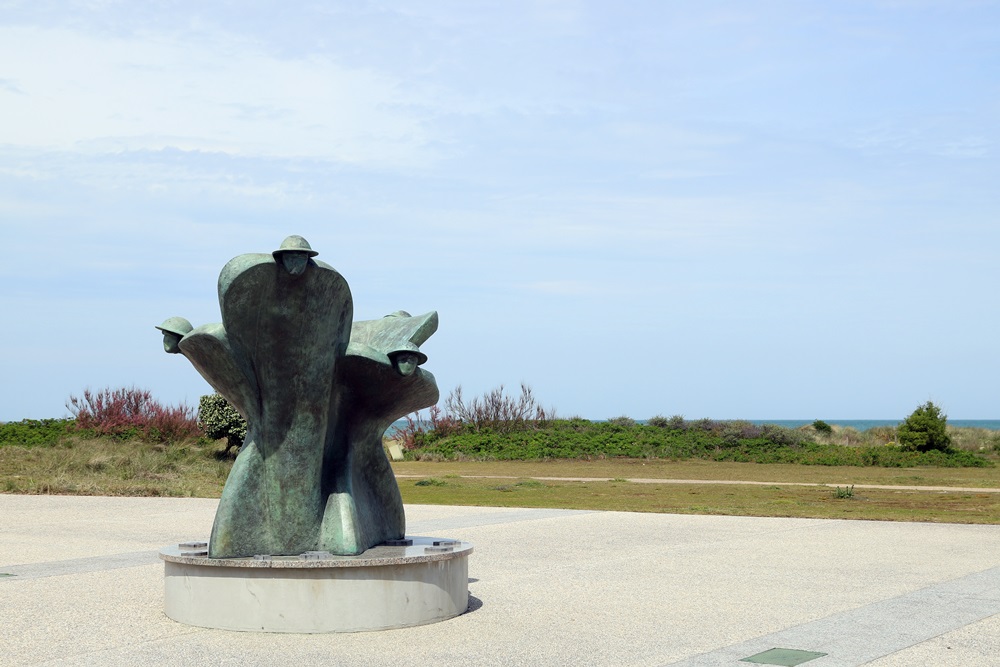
[117,649]
[858,636]
[649,480]
[58,568]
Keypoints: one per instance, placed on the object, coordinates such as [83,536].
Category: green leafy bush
[34,432]
[925,430]
[430,481]
[711,440]
[219,419]
[822,427]
[676,422]
[704,424]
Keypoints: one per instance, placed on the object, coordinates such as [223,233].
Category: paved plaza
[81,584]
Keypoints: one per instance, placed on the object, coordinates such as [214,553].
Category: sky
[778,209]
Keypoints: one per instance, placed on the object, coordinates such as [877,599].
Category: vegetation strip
[761,500]
[648,480]
[679,440]
[123,443]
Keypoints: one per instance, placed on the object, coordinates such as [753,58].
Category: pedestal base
[385,587]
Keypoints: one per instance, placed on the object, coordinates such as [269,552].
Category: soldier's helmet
[177,325]
[294,243]
[409,348]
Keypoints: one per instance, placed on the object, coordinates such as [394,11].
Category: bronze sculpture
[318,391]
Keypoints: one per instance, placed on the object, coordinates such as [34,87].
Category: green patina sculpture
[317,391]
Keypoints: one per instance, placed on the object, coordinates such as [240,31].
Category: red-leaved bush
[495,410]
[438,420]
[131,412]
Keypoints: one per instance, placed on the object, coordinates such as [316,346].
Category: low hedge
[705,439]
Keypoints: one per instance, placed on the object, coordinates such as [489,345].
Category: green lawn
[775,499]
[709,470]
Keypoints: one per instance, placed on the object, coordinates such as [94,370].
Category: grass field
[728,499]
[705,470]
[104,467]
[453,484]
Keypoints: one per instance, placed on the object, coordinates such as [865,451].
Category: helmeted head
[174,328]
[294,254]
[406,359]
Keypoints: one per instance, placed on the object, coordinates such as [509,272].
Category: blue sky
[773,209]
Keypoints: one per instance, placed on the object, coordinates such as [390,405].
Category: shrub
[493,411]
[496,410]
[926,429]
[407,435]
[438,422]
[627,422]
[723,441]
[676,422]
[732,432]
[883,435]
[33,432]
[430,481]
[822,427]
[785,437]
[219,419]
[852,436]
[704,424]
[131,412]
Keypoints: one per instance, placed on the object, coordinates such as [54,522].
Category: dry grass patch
[84,466]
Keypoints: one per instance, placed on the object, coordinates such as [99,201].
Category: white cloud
[70,91]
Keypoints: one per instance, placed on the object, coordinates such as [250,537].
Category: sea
[859,424]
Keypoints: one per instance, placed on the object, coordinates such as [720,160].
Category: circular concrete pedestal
[385,587]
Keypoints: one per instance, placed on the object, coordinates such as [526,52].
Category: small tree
[925,430]
[218,419]
[822,427]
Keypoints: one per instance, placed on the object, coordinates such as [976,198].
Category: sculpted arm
[207,348]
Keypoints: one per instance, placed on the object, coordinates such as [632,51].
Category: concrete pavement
[549,587]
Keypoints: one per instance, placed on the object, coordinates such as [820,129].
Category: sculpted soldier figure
[174,328]
[318,392]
